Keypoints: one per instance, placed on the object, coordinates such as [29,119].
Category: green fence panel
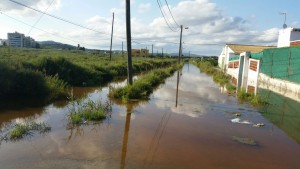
[295,53]
[235,57]
[257,55]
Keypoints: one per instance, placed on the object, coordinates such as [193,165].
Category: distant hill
[55,45]
[184,54]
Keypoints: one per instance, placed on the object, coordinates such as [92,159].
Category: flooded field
[188,123]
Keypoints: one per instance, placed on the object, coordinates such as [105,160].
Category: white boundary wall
[282,87]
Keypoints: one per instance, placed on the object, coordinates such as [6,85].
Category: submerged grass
[87,112]
[255,100]
[18,131]
[209,68]
[143,87]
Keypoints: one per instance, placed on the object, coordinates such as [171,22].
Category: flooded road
[192,127]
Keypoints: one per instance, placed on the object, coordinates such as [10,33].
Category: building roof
[237,48]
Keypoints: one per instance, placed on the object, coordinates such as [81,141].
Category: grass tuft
[19,131]
[89,111]
[255,100]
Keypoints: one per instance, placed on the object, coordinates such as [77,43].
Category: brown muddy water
[194,131]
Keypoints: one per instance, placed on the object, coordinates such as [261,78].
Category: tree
[38,46]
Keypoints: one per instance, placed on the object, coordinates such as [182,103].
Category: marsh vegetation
[143,86]
[48,74]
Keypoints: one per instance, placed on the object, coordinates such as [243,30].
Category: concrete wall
[282,87]
[253,73]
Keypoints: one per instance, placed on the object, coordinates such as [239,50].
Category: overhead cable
[42,29]
[163,14]
[59,18]
[40,18]
[171,13]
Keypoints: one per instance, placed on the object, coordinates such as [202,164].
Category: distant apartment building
[140,52]
[19,40]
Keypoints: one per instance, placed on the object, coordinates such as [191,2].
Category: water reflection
[198,93]
[283,112]
[125,136]
[177,88]
[161,135]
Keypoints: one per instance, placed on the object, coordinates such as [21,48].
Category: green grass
[19,131]
[88,111]
[255,100]
[47,74]
[209,67]
[219,77]
[230,87]
[143,86]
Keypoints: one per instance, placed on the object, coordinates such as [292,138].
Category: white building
[288,37]
[15,39]
[19,40]
[234,50]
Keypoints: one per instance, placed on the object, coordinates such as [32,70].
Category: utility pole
[112,33]
[152,50]
[162,52]
[180,45]
[128,32]
[189,54]
[122,49]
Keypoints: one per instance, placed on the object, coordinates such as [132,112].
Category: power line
[42,29]
[163,14]
[59,18]
[40,18]
[171,13]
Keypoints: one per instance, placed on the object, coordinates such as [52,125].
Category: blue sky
[212,23]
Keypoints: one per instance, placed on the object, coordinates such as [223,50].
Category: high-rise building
[20,41]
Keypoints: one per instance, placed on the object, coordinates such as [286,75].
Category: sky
[210,24]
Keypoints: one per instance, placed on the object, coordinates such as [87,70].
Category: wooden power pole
[180,45]
[112,34]
[128,33]
[152,50]
[122,49]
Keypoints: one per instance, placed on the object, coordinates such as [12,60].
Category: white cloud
[41,5]
[144,7]
[268,35]
[206,21]
[98,20]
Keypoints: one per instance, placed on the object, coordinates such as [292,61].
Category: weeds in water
[255,100]
[88,111]
[230,87]
[210,69]
[142,87]
[18,131]
[223,79]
